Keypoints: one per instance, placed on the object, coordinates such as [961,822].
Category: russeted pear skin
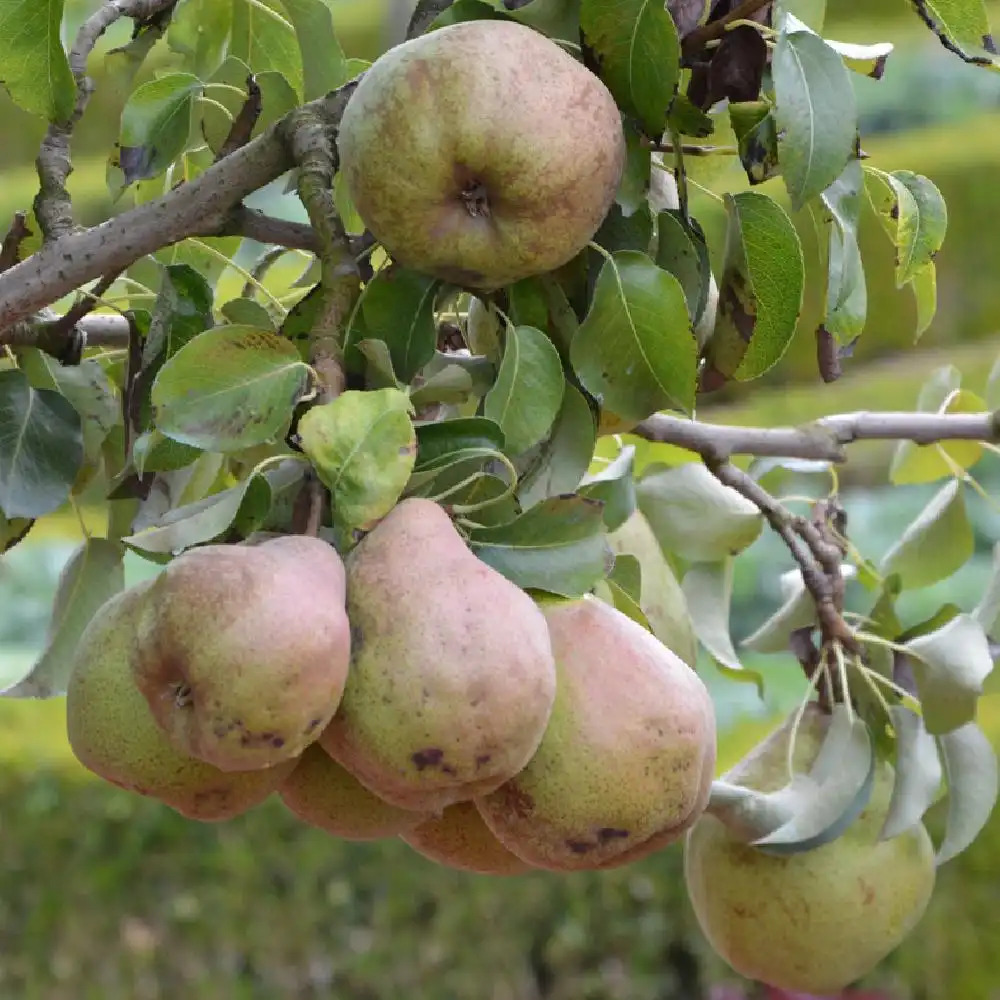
[113,734]
[459,838]
[627,760]
[813,922]
[243,650]
[452,677]
[481,153]
[325,795]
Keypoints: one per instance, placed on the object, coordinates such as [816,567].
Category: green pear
[452,676]
[481,153]
[243,650]
[459,838]
[628,756]
[816,921]
[112,733]
[325,795]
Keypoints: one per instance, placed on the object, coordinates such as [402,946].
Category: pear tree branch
[53,208]
[824,439]
[427,11]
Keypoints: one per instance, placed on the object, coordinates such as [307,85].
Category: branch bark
[201,207]
[824,439]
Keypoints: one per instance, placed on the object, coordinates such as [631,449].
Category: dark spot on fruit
[431,757]
[579,846]
[483,759]
[313,724]
[521,804]
[608,833]
[277,742]
[449,770]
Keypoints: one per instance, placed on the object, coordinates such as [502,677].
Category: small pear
[452,677]
[627,760]
[113,734]
[812,922]
[325,795]
[243,650]
[459,838]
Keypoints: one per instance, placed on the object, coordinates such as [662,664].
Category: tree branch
[199,207]
[52,205]
[425,14]
[696,40]
[254,225]
[824,439]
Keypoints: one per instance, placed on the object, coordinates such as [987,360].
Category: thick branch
[824,439]
[201,206]
[53,207]
[254,225]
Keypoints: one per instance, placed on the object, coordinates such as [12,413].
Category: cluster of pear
[409,690]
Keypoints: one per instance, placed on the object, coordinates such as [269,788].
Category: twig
[244,122]
[824,439]
[254,225]
[87,302]
[16,235]
[696,40]
[200,207]
[425,14]
[52,205]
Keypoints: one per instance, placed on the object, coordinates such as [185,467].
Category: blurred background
[107,895]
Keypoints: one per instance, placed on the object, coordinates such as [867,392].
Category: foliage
[535,413]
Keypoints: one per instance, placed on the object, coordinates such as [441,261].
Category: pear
[112,733]
[481,153]
[452,676]
[459,838]
[325,795]
[243,650]
[812,922]
[627,759]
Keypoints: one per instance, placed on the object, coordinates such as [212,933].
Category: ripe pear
[325,795]
[628,755]
[113,734]
[812,922]
[459,838]
[243,650]
[481,153]
[452,676]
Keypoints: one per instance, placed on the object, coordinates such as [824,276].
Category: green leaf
[660,597]
[815,113]
[965,24]
[614,486]
[33,65]
[324,66]
[41,447]
[85,385]
[555,18]
[812,809]
[683,252]
[452,384]
[695,516]
[199,30]
[924,288]
[798,611]
[153,451]
[622,588]
[925,463]
[987,611]
[635,351]
[437,441]
[13,530]
[936,544]
[230,388]
[970,765]
[155,124]
[248,312]
[205,520]
[264,38]
[482,330]
[708,593]
[94,573]
[918,772]
[527,395]
[634,46]
[846,293]
[868,60]
[379,373]
[559,546]
[950,665]
[760,294]
[398,307]
[363,445]
[563,459]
